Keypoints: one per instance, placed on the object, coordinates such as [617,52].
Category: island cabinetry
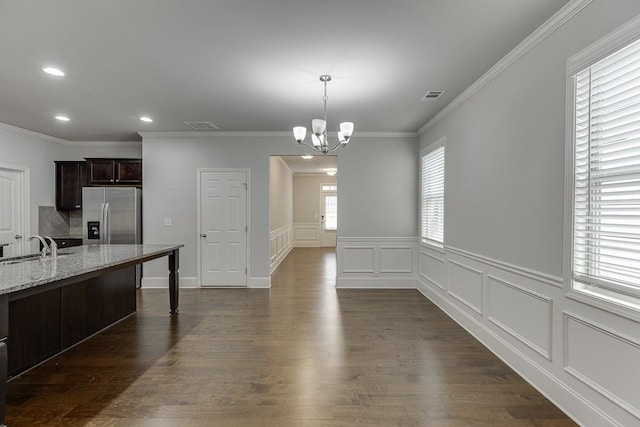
[4,332]
[46,323]
[70,178]
[114,172]
[90,306]
[34,330]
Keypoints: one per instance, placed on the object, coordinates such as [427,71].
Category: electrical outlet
[167,222]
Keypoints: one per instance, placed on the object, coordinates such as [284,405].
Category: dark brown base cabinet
[46,323]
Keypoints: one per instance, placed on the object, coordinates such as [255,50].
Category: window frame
[603,298]
[435,244]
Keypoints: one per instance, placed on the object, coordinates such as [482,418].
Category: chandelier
[319,139]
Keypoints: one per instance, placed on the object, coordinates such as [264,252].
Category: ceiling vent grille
[432,95]
[201,125]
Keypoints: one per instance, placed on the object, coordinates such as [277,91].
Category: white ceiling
[246,65]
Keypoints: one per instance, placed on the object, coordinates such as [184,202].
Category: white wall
[280,211]
[377,189]
[306,208]
[500,275]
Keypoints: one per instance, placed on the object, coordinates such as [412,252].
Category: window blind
[606,210]
[432,217]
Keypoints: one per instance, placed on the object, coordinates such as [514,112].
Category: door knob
[17,237]
[204,236]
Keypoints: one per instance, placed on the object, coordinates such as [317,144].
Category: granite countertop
[72,262]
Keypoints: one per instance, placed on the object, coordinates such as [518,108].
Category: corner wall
[280,211]
[500,273]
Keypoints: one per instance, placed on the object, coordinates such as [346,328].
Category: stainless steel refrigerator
[112,215]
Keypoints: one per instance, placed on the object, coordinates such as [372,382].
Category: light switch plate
[167,222]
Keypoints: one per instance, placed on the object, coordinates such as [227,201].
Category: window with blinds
[432,217]
[606,205]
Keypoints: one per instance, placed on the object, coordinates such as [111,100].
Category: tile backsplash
[52,222]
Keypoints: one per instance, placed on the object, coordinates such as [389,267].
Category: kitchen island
[48,305]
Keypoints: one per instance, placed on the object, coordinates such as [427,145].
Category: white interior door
[329,219]
[223,228]
[11,215]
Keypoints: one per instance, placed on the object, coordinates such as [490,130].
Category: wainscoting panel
[306,235]
[358,259]
[381,263]
[511,308]
[584,359]
[396,259]
[605,360]
[433,268]
[280,244]
[465,285]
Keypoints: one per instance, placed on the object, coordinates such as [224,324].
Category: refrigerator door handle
[102,224]
[107,226]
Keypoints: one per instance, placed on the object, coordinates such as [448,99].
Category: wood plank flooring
[299,354]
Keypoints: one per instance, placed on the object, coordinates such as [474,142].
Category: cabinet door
[101,172]
[129,171]
[70,178]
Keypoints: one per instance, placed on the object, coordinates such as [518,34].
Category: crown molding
[32,134]
[535,38]
[264,134]
[104,143]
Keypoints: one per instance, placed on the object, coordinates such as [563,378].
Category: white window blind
[432,220]
[606,206]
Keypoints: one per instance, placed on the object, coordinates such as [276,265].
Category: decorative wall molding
[430,266]
[377,263]
[593,350]
[306,235]
[280,244]
[461,286]
[544,31]
[523,330]
[575,405]
[521,271]
[262,134]
[163,282]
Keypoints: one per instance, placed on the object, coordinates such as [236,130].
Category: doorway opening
[303,205]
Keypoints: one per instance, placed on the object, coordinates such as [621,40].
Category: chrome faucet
[53,246]
[45,247]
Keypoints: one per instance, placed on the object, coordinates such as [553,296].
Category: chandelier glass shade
[319,139]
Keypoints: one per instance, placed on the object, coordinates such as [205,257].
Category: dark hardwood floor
[299,354]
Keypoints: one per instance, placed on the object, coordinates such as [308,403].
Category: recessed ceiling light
[53,71]
[146,119]
[63,118]
[307,157]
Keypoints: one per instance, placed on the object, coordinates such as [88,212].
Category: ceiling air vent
[432,95]
[201,125]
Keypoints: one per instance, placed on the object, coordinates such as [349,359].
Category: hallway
[299,354]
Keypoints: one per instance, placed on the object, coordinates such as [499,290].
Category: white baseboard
[163,282]
[259,283]
[375,283]
[568,400]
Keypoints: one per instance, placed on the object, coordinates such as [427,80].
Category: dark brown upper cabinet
[114,172]
[70,178]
